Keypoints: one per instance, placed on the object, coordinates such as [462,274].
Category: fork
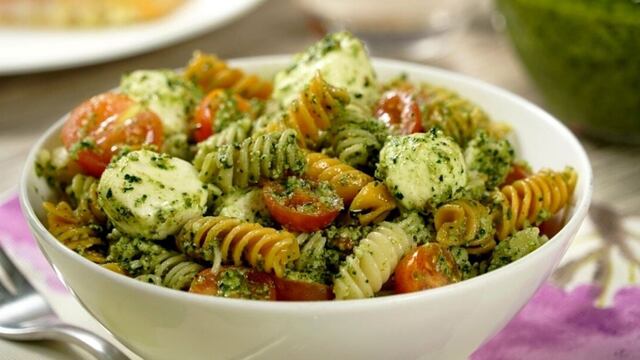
[26,315]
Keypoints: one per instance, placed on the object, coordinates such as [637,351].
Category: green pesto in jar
[585,57]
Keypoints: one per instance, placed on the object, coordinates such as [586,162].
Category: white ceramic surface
[444,323]
[24,50]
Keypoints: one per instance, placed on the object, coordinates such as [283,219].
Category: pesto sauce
[518,245]
[321,195]
[233,283]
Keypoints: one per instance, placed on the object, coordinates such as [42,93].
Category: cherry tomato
[552,226]
[297,290]
[204,118]
[428,266]
[235,282]
[517,172]
[399,107]
[103,125]
[302,205]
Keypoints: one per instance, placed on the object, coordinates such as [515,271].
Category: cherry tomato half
[205,115]
[552,226]
[428,266]
[235,282]
[103,125]
[302,205]
[517,172]
[399,107]
[298,290]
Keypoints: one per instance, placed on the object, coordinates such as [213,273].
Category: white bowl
[444,323]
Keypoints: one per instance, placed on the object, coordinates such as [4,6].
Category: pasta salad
[321,183]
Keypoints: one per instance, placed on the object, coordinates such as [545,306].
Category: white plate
[24,50]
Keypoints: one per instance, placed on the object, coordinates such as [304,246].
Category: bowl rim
[280,61]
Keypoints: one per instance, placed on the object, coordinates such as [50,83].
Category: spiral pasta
[454,115]
[220,239]
[346,180]
[357,138]
[234,133]
[315,108]
[71,231]
[373,261]
[172,270]
[269,156]
[312,247]
[372,204]
[83,190]
[465,223]
[531,200]
[150,262]
[209,72]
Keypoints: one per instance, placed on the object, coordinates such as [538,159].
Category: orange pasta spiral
[530,201]
[373,203]
[209,72]
[346,180]
[220,239]
[69,229]
[465,223]
[315,108]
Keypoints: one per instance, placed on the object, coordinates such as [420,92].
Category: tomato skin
[109,122]
[88,115]
[418,270]
[552,226]
[517,172]
[286,212]
[296,290]
[399,107]
[260,285]
[205,113]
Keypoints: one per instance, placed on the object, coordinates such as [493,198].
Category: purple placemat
[555,324]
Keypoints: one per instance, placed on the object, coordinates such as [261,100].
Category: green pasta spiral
[150,262]
[357,138]
[83,191]
[234,133]
[270,156]
[172,270]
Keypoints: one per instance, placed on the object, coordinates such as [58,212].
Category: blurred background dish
[584,56]
[30,49]
[410,29]
[82,13]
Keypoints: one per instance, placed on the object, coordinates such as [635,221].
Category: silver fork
[26,315]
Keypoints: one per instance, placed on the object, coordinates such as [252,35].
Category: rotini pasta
[315,108]
[150,262]
[270,156]
[357,138]
[372,204]
[83,190]
[219,239]
[312,249]
[209,72]
[232,134]
[346,180]
[465,223]
[172,270]
[372,262]
[454,115]
[529,201]
[70,230]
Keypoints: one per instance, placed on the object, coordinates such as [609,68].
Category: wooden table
[30,103]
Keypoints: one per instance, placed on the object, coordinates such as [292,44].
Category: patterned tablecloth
[581,319]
